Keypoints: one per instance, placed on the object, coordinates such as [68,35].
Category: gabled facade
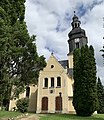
[54,89]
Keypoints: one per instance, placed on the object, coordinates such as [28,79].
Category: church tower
[77,38]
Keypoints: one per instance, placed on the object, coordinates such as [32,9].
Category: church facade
[54,92]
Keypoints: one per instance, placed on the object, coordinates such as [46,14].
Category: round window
[52,66]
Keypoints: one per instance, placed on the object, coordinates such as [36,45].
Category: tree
[4,75]
[85,89]
[19,61]
[15,10]
[100,93]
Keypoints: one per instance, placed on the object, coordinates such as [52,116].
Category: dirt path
[27,117]
[30,117]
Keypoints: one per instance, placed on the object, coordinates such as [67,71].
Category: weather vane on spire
[52,52]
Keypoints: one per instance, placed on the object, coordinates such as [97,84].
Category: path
[30,117]
[27,117]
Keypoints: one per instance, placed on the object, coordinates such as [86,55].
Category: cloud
[51,21]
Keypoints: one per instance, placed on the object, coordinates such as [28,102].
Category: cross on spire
[52,52]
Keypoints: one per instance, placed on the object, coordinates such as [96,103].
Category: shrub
[22,104]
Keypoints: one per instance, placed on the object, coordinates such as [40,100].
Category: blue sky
[51,21]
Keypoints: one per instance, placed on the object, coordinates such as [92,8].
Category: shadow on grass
[71,117]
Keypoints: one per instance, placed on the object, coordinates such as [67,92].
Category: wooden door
[45,103]
[58,103]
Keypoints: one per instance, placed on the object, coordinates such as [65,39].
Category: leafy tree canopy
[19,61]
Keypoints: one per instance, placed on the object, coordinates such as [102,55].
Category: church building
[54,92]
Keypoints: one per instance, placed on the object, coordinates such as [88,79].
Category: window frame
[58,81]
[52,82]
[45,82]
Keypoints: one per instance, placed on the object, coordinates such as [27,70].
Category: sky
[50,21]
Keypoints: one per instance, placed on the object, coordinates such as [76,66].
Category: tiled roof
[64,64]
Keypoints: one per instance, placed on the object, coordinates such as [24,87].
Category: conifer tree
[85,89]
[100,93]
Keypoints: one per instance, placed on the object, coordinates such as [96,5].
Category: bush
[22,104]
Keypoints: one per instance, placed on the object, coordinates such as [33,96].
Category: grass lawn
[6,114]
[70,117]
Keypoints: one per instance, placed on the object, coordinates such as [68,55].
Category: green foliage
[14,9]
[19,61]
[85,89]
[5,85]
[22,104]
[100,93]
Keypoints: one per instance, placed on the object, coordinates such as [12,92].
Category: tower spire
[75,23]
[77,36]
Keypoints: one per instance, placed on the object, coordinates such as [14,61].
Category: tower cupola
[75,23]
[77,36]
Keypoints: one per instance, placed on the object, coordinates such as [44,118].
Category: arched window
[77,45]
[45,82]
[75,25]
[52,81]
[27,91]
[45,103]
[58,81]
